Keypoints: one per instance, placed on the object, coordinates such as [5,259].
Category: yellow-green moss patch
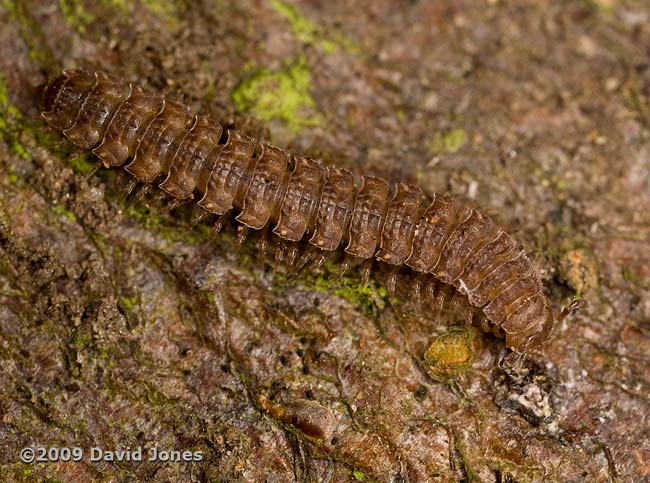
[278,95]
[166,10]
[449,142]
[308,32]
[75,14]
[11,120]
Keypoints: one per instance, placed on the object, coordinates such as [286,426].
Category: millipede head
[545,321]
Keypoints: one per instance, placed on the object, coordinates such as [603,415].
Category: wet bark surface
[120,328]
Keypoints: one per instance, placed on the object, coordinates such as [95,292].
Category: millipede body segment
[191,157]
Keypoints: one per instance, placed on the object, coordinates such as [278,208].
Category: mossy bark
[121,328]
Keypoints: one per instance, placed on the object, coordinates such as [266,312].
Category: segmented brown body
[155,139]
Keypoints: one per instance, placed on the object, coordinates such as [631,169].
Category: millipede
[192,158]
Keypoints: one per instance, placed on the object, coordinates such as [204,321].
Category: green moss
[302,28]
[449,142]
[61,211]
[245,261]
[150,220]
[462,452]
[127,303]
[75,14]
[420,393]
[4,100]
[308,32]
[605,7]
[82,165]
[11,123]
[630,275]
[120,5]
[203,230]
[143,215]
[154,396]
[80,341]
[550,180]
[29,31]
[370,298]
[12,177]
[359,475]
[282,95]
[634,98]
[280,277]
[166,10]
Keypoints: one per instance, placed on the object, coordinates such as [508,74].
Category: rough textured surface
[120,328]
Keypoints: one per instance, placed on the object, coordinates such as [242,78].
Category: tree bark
[123,329]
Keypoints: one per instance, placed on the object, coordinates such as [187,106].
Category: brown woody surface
[119,328]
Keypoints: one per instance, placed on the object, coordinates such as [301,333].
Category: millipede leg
[263,243]
[118,182]
[278,256]
[296,263]
[456,305]
[159,203]
[198,218]
[391,283]
[320,260]
[175,203]
[575,305]
[447,302]
[513,361]
[74,155]
[293,254]
[61,142]
[434,298]
[305,258]
[366,268]
[242,233]
[141,192]
[417,289]
[344,267]
[460,311]
[94,171]
[160,197]
[130,186]
[166,91]
[218,225]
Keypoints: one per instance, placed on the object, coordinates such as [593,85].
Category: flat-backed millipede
[159,141]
